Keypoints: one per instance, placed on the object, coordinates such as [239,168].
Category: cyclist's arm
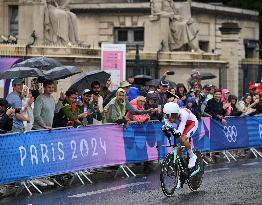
[182,124]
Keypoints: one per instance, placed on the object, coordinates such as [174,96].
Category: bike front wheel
[169,175]
[196,175]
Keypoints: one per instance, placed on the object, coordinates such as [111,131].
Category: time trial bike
[174,167]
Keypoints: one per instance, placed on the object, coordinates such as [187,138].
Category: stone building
[228,36]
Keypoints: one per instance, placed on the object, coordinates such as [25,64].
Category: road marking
[108,189]
[251,163]
[216,170]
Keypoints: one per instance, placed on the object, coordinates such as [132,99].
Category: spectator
[259,104]
[181,91]
[234,111]
[87,110]
[14,99]
[6,116]
[131,79]
[132,93]
[161,93]
[202,102]
[172,90]
[45,107]
[69,113]
[211,92]
[226,104]
[246,107]
[125,86]
[116,108]
[35,88]
[105,90]
[191,105]
[255,97]
[27,108]
[151,103]
[138,104]
[215,107]
[97,99]
[182,94]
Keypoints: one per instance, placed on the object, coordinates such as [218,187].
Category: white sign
[113,61]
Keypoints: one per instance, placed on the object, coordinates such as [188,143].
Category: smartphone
[170,72]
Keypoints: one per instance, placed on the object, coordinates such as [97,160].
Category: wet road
[232,184]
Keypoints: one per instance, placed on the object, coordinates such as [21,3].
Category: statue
[60,25]
[182,30]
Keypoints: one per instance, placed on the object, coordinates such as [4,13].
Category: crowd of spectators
[25,109]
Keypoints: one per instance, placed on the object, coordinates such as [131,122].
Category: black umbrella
[59,73]
[207,76]
[21,72]
[142,79]
[42,63]
[85,80]
[156,82]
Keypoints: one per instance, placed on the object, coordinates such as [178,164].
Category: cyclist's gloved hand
[170,127]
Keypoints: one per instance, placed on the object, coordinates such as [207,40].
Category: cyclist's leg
[188,132]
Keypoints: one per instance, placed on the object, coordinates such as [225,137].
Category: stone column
[31,18]
[156,31]
[232,48]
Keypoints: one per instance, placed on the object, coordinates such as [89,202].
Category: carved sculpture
[60,24]
[183,30]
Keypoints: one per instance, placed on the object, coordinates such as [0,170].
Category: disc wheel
[169,175]
[194,182]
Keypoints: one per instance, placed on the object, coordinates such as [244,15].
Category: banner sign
[6,64]
[44,153]
[113,61]
[140,142]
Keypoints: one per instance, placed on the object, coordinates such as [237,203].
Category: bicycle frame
[177,159]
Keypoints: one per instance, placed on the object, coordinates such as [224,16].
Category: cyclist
[188,125]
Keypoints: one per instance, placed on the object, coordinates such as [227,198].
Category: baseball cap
[207,86]
[18,81]
[4,103]
[164,83]
[225,91]
[124,84]
[86,91]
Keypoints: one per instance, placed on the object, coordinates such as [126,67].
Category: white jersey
[186,118]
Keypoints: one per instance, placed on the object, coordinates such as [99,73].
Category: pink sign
[113,61]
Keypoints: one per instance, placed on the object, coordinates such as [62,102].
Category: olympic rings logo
[231,133]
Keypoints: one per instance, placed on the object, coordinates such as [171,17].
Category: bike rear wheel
[195,180]
[169,175]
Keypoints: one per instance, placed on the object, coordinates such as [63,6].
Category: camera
[17,110]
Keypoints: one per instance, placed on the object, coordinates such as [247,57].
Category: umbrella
[59,73]
[21,72]
[141,79]
[156,82]
[207,76]
[42,63]
[52,69]
[85,80]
